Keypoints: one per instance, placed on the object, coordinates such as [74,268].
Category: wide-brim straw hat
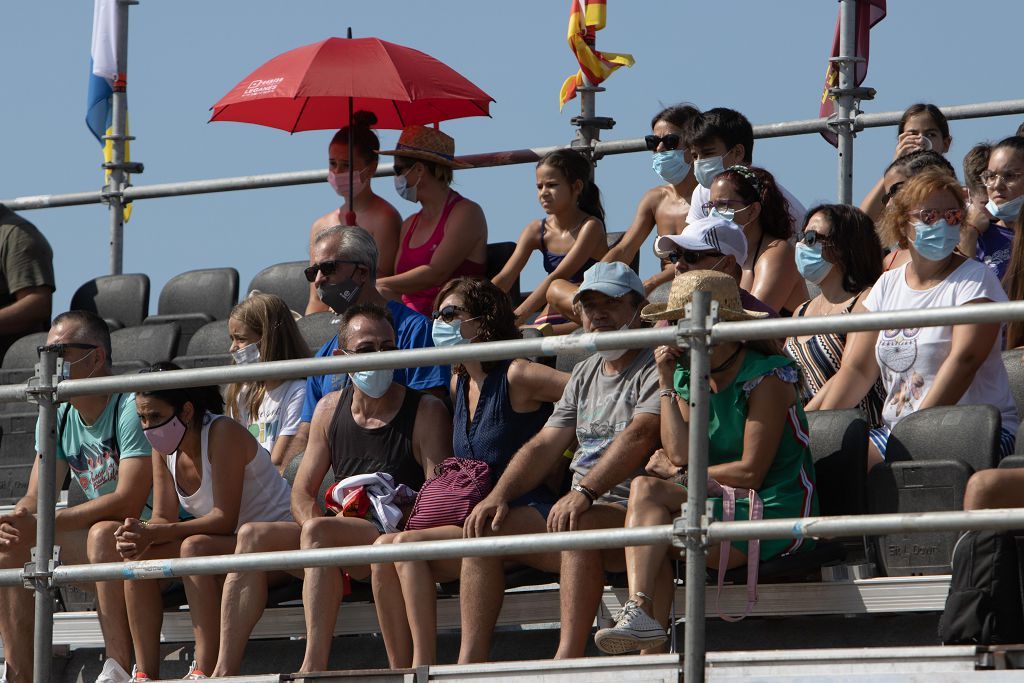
[722,287]
[426,144]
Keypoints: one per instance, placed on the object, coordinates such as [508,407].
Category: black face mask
[340,296]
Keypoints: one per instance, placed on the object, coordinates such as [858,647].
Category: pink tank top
[409,258]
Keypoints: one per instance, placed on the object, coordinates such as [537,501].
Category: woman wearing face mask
[262,329]
[928,366]
[499,406]
[839,252]
[922,128]
[372,212]
[749,197]
[445,239]
[216,471]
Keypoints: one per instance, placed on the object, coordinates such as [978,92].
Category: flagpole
[118,137]
[846,101]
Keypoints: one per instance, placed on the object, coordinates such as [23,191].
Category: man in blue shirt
[344,271]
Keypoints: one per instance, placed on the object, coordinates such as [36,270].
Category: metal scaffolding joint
[133,167]
[600,122]
[859,93]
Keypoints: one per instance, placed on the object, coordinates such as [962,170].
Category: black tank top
[358,450]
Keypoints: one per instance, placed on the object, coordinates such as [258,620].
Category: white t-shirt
[909,358]
[702,195]
[279,414]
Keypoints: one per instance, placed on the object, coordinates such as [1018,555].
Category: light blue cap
[611,279]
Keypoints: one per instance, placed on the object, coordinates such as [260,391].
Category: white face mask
[615,354]
[339,181]
[246,354]
[404,190]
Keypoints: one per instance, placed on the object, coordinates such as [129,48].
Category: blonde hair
[892,228]
[268,316]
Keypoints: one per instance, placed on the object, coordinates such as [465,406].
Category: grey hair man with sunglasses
[101,442]
[711,244]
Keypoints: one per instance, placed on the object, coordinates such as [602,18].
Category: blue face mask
[373,383]
[447,334]
[724,214]
[812,265]
[937,241]
[1006,212]
[706,170]
[670,166]
[404,191]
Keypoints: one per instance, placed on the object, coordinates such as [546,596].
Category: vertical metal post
[46,473]
[846,102]
[119,137]
[696,558]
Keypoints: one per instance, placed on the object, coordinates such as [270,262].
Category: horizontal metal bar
[503,158]
[776,328]
[866,525]
[356,555]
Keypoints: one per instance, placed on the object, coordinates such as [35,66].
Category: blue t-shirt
[994,248]
[412,331]
[89,449]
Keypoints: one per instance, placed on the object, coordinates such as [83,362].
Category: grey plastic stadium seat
[498,255]
[616,237]
[1013,359]
[929,458]
[839,448]
[18,437]
[318,329]
[21,358]
[208,347]
[146,343]
[286,281]
[293,467]
[195,298]
[121,300]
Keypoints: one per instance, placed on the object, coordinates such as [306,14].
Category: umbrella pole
[350,214]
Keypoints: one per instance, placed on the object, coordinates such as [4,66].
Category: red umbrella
[316,87]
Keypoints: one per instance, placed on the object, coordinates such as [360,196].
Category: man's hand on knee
[9,534]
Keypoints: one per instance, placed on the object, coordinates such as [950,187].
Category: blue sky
[766,59]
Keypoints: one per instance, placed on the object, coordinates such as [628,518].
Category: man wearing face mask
[374,424]
[718,139]
[611,408]
[344,274]
[711,243]
[100,440]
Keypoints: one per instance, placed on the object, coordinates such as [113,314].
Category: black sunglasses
[59,349]
[325,267]
[810,238]
[892,192]
[448,313]
[692,257]
[670,141]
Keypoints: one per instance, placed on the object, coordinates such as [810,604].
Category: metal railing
[699,331]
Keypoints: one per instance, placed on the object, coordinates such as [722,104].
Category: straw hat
[427,144]
[722,287]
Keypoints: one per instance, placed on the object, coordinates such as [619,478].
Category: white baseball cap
[708,234]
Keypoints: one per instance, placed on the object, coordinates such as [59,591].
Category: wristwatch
[580,488]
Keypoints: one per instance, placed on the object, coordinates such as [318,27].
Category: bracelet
[588,492]
[667,393]
[144,524]
[682,476]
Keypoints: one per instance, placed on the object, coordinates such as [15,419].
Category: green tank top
[788,489]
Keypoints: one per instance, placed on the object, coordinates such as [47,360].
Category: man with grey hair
[344,272]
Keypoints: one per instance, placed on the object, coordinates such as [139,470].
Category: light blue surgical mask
[671,166]
[404,190]
[812,265]
[373,383]
[1006,212]
[937,241]
[724,214]
[447,334]
[706,170]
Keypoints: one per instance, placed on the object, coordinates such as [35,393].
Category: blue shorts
[540,499]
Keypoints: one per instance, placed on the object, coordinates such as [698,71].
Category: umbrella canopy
[315,87]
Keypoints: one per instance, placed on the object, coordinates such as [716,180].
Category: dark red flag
[869,13]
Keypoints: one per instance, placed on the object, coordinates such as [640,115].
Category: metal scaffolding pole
[43,564]
[697,491]
[118,137]
[846,104]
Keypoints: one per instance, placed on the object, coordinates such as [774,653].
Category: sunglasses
[449,313]
[930,216]
[810,238]
[691,258]
[60,349]
[670,141]
[328,268]
[366,349]
[892,192]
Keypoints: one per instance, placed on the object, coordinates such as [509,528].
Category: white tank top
[266,496]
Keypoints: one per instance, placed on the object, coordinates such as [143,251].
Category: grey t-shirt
[600,406]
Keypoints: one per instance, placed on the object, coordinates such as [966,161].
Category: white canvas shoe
[113,673]
[634,629]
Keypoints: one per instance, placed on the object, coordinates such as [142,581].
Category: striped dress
[788,489]
[819,358]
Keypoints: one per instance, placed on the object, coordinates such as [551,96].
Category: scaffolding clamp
[31,577]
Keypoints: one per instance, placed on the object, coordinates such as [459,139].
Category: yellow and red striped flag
[596,65]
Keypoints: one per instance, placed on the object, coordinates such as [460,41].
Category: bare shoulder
[326,406]
[433,409]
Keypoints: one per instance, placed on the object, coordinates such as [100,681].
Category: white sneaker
[3,674]
[194,673]
[113,673]
[634,630]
